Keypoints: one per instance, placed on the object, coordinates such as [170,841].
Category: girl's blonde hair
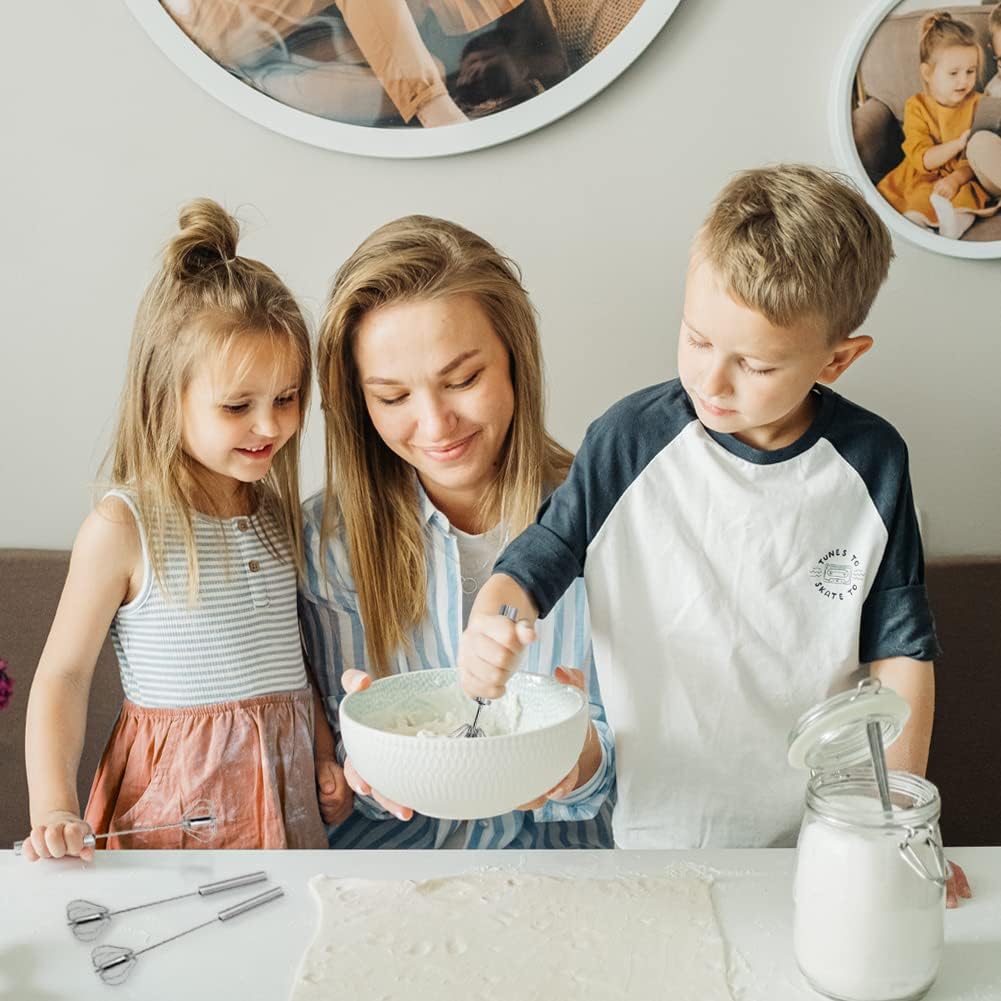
[941,30]
[370,491]
[203,300]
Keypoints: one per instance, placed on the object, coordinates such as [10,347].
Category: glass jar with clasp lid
[869,889]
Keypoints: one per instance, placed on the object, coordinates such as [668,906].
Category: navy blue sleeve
[549,555]
[896,616]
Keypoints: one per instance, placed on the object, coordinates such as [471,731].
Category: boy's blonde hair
[797,243]
[203,300]
[370,490]
[940,30]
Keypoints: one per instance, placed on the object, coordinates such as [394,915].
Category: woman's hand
[586,763]
[60,833]
[335,795]
[957,886]
[357,681]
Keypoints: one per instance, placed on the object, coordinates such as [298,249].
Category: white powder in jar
[867,927]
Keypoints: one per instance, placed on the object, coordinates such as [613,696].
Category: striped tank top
[240,640]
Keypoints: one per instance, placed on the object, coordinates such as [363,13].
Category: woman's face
[437,384]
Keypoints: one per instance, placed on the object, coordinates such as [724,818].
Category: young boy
[747,536]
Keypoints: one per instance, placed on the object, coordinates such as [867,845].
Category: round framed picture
[916,118]
[403,78]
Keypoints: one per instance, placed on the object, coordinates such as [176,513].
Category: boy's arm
[913,681]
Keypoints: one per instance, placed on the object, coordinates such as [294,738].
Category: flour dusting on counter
[500,935]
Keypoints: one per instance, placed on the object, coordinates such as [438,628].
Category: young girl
[192,560]
[934,185]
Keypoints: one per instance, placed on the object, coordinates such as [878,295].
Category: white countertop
[255,956]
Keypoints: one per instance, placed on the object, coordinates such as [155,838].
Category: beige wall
[104,138]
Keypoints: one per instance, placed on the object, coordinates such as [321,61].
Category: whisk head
[113,963]
[471,729]
[200,821]
[86,919]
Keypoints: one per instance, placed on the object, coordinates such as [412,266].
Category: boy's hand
[957,886]
[60,834]
[488,653]
[335,795]
[357,681]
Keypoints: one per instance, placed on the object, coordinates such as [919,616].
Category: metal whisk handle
[249,905]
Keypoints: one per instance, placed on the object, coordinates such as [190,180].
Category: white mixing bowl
[459,778]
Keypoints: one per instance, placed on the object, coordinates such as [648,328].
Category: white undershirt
[477,555]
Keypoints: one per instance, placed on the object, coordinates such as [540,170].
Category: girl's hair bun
[207,238]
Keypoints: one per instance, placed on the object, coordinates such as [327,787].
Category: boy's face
[745,376]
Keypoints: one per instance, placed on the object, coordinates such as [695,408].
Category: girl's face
[238,411]
[951,74]
[437,384]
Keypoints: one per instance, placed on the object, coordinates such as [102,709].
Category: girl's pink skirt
[251,760]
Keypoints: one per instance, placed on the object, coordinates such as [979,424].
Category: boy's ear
[843,355]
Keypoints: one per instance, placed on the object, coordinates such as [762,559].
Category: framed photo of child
[916,118]
[403,78]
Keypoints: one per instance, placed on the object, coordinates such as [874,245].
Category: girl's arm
[938,156]
[105,569]
[391,44]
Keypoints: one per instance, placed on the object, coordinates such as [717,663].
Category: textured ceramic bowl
[459,778]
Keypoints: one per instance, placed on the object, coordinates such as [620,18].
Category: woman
[430,374]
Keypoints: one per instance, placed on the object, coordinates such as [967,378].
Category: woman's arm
[103,570]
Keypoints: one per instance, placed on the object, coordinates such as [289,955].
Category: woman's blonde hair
[940,30]
[370,491]
[203,300]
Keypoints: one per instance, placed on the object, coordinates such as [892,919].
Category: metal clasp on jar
[910,856]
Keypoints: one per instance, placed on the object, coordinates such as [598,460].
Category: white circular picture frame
[843,140]
[538,111]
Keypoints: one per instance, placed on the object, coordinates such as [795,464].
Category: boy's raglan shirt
[730,590]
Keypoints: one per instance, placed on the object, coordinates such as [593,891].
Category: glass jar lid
[833,735]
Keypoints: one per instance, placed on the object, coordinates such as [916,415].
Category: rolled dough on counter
[496,935]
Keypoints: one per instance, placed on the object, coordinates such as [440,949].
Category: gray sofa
[888,75]
[964,748]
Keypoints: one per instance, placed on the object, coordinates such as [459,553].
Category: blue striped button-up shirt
[334,637]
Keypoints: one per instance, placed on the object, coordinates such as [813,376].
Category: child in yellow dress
[934,185]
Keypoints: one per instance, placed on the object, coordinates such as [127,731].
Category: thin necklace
[469,584]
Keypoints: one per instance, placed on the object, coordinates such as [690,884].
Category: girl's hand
[335,796]
[962,141]
[440,110]
[357,681]
[570,781]
[61,834]
[957,886]
[947,187]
